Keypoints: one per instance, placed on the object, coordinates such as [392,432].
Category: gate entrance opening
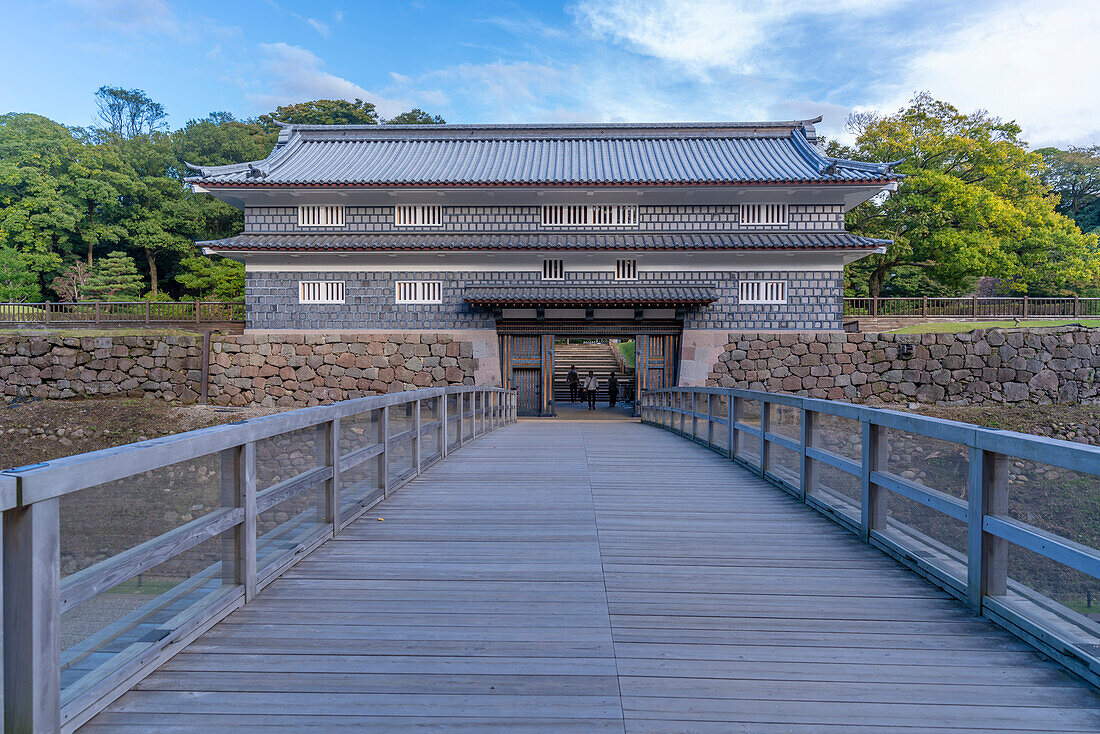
[537,356]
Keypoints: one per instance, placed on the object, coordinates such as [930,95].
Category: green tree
[321,112]
[416,116]
[1074,175]
[70,285]
[221,139]
[18,283]
[972,204]
[213,278]
[129,112]
[115,278]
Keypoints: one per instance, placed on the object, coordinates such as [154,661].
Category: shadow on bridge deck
[567,576]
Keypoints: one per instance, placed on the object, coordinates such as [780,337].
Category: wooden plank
[32,626]
[633,578]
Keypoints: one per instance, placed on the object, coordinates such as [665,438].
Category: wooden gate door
[656,361]
[527,364]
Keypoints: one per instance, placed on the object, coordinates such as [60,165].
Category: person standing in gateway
[612,390]
[573,380]
[591,386]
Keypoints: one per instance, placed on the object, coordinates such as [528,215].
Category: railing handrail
[980,307]
[35,595]
[38,482]
[983,580]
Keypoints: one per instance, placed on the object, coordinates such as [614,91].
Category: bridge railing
[116,559]
[1004,521]
[114,314]
[974,307]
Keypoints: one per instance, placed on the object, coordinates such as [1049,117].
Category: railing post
[737,409]
[806,464]
[245,533]
[765,426]
[873,500]
[384,470]
[97,313]
[331,447]
[1024,314]
[987,555]
[710,419]
[49,307]
[731,417]
[197,309]
[32,623]
[874,306]
[974,306]
[148,313]
[416,437]
[443,424]
[1076,306]
[924,306]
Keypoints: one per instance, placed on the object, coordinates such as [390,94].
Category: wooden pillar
[32,619]
[443,400]
[244,535]
[765,426]
[330,435]
[924,306]
[204,388]
[987,555]
[873,498]
[416,437]
[737,409]
[806,465]
[974,306]
[384,437]
[1025,307]
[731,418]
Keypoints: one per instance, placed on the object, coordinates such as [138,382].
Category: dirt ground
[41,430]
[1080,423]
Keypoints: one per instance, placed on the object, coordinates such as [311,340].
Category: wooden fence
[860,467]
[281,485]
[107,314]
[974,307]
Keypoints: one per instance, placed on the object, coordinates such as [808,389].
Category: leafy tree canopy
[973,203]
[1074,175]
[18,283]
[416,116]
[321,112]
[129,112]
[213,278]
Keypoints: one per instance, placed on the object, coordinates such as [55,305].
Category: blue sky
[582,60]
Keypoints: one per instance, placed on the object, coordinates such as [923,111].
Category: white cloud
[706,35]
[318,26]
[505,91]
[132,16]
[1031,62]
[294,74]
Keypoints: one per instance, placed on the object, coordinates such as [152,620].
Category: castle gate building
[669,234]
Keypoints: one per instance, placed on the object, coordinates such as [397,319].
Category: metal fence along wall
[977,511]
[973,307]
[192,526]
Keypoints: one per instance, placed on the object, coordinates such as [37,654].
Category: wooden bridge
[560,576]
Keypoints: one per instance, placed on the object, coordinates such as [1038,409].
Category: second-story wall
[680,218]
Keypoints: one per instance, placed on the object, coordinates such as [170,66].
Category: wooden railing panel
[980,576]
[35,595]
[995,307]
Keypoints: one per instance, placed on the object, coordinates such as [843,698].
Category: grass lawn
[627,350]
[952,327]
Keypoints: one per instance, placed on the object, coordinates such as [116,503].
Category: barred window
[762,291]
[321,291]
[320,216]
[626,270]
[764,214]
[590,215]
[553,269]
[418,215]
[418,291]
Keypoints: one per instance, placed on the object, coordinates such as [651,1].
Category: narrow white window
[762,291]
[590,215]
[320,216]
[418,291]
[321,291]
[764,215]
[626,270]
[418,215]
[553,269]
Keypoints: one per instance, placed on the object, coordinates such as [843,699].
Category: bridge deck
[569,576]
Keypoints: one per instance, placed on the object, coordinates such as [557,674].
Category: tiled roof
[485,155]
[590,295]
[543,241]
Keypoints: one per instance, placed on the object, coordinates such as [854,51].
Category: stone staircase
[596,356]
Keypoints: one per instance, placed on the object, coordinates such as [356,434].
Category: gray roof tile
[338,242]
[589,295]
[456,155]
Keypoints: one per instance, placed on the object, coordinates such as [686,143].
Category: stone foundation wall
[277,369]
[1040,366]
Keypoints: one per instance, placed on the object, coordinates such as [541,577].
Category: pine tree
[115,278]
